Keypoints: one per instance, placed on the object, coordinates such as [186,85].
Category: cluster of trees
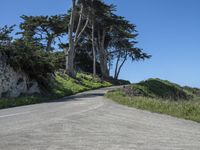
[91,36]
[30,58]
[110,36]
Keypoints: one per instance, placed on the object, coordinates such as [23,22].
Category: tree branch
[120,67]
[83,29]
[79,23]
[116,67]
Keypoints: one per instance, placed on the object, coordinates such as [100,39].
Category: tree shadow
[77,97]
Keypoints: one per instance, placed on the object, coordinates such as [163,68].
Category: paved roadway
[88,121]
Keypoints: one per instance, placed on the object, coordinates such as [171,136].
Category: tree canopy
[97,39]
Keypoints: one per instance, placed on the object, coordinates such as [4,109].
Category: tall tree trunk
[109,65]
[103,54]
[70,53]
[69,56]
[103,64]
[73,39]
[93,42]
[93,51]
[120,67]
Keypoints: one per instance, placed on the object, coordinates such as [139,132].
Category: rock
[14,83]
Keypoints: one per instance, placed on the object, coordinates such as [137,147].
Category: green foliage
[44,29]
[118,81]
[192,91]
[115,35]
[66,85]
[20,101]
[26,56]
[59,60]
[36,63]
[5,37]
[161,96]
[83,59]
[182,109]
[139,90]
[156,88]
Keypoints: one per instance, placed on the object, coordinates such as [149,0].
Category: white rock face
[14,83]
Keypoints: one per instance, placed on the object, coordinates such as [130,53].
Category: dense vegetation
[156,88]
[67,86]
[30,58]
[64,86]
[97,37]
[161,96]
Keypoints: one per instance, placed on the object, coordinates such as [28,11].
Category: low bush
[156,88]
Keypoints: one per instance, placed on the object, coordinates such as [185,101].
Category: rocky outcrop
[15,83]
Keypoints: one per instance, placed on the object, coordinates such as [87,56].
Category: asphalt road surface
[88,121]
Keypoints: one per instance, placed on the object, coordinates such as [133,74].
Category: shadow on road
[78,97]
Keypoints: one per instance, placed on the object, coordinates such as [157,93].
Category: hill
[157,88]
[160,96]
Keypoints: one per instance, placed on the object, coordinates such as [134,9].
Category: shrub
[158,88]
[35,62]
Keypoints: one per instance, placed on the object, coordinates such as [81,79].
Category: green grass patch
[20,101]
[187,109]
[63,86]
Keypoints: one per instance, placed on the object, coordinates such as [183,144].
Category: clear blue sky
[169,30]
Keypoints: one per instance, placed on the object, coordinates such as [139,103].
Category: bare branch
[79,23]
[83,29]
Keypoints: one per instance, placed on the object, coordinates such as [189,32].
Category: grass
[163,89]
[187,109]
[68,86]
[63,86]
[20,101]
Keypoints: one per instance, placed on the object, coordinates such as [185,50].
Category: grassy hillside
[162,97]
[156,88]
[63,86]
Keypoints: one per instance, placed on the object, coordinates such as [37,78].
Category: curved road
[88,121]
